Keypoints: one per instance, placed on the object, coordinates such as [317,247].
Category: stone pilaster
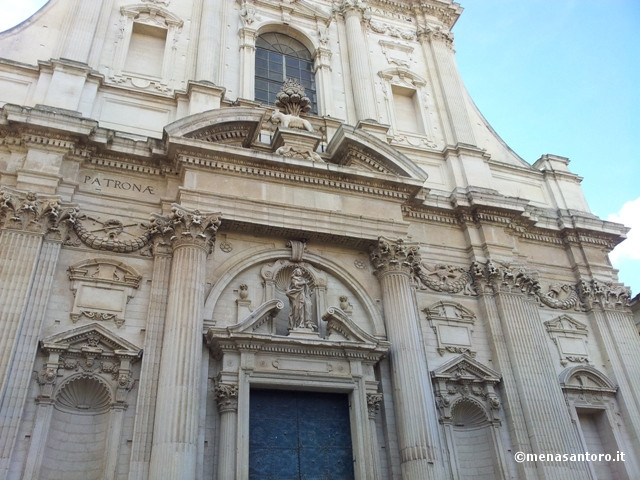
[393,262]
[149,374]
[612,321]
[209,42]
[24,220]
[363,95]
[227,401]
[512,404]
[547,420]
[248,35]
[80,25]
[437,45]
[174,450]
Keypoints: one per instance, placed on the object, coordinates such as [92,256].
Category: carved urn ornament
[293,99]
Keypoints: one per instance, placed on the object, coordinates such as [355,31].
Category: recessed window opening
[278,58]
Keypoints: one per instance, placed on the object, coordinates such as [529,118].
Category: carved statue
[299,302]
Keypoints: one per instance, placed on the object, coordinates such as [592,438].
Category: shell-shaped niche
[467,413]
[83,395]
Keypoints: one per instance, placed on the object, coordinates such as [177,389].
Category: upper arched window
[278,58]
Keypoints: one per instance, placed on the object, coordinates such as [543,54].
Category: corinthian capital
[187,227]
[394,256]
[226,397]
[347,6]
[28,211]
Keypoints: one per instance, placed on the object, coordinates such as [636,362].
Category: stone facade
[169,244]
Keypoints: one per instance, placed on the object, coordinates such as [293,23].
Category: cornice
[328,176]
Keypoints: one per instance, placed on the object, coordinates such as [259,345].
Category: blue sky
[551,76]
[563,77]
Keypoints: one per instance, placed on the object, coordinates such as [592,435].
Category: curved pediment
[355,148]
[231,126]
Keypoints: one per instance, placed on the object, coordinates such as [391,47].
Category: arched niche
[223,306]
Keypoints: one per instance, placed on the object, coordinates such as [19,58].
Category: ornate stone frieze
[226,397]
[394,256]
[464,379]
[374,400]
[445,278]
[605,294]
[391,30]
[510,278]
[28,212]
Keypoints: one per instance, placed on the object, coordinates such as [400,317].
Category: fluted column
[149,374]
[227,401]
[173,454]
[26,270]
[363,95]
[412,392]
[25,348]
[547,419]
[617,335]
[509,393]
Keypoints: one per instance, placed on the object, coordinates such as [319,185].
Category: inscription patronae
[118,184]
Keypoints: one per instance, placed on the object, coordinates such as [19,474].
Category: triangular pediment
[92,338]
[465,368]
[566,324]
[355,148]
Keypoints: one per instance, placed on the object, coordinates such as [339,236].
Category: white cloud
[628,215]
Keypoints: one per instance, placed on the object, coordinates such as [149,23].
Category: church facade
[275,239]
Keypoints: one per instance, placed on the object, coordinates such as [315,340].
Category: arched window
[279,57]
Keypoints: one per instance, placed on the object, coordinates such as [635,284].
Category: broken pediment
[340,327]
[352,147]
[238,126]
[259,320]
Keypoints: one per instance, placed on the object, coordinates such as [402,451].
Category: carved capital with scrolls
[28,212]
[508,278]
[351,7]
[607,295]
[226,397]
[394,256]
[373,404]
[187,227]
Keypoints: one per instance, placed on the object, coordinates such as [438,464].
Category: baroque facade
[275,239]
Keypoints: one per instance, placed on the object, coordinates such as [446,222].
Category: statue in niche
[299,296]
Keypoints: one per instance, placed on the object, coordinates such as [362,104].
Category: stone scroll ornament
[495,276]
[29,212]
[182,224]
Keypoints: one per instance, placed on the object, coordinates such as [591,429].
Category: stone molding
[570,338]
[453,326]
